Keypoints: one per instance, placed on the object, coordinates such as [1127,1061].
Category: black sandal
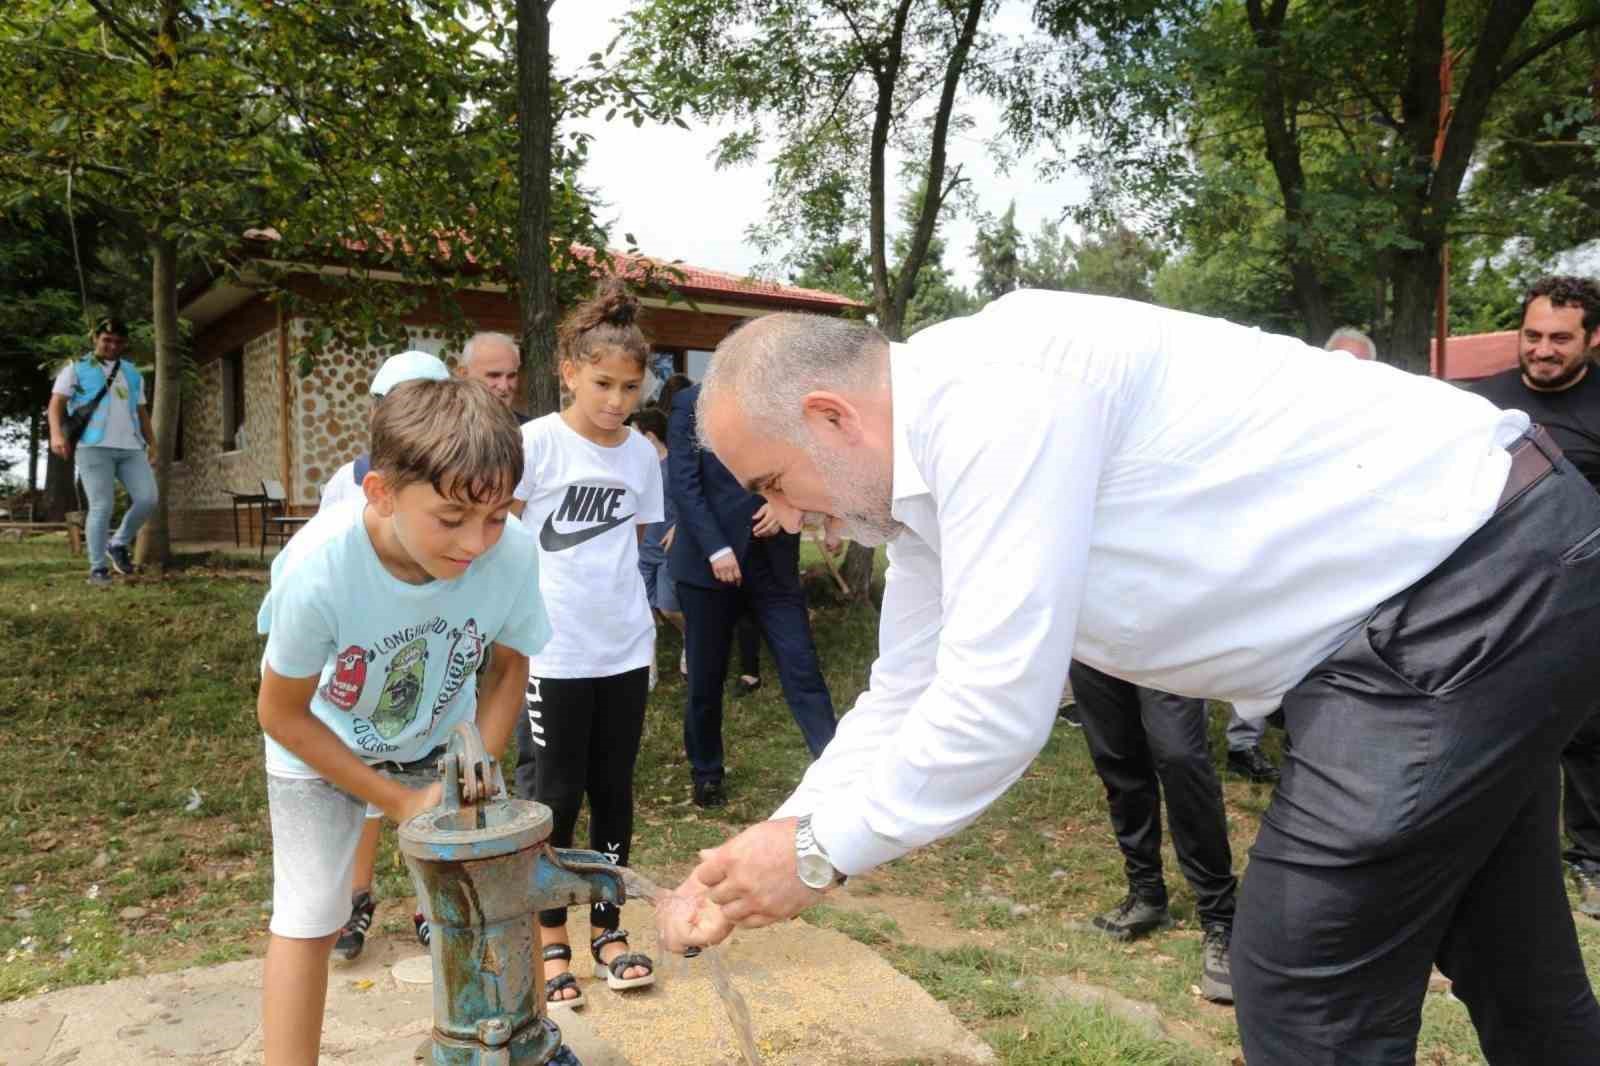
[620,965]
[560,981]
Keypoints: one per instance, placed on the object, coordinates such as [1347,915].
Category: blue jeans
[100,469]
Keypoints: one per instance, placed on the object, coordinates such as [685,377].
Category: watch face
[815,871]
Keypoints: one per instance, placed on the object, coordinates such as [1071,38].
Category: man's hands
[668,537]
[748,882]
[59,445]
[726,569]
[686,918]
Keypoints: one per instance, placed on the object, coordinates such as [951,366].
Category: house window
[232,398]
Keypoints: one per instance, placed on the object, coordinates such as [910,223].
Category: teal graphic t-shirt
[397,662]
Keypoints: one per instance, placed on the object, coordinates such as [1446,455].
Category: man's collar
[906,478]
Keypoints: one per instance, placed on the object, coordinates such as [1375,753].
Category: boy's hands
[415,801]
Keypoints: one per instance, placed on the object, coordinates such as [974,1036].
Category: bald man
[1208,510]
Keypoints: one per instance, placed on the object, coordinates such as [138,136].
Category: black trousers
[1580,804]
[580,737]
[710,618]
[1415,822]
[1147,745]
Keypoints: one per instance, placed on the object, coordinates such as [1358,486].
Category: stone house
[250,416]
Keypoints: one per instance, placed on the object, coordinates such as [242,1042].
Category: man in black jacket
[730,554]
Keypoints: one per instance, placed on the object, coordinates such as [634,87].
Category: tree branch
[933,191]
[124,33]
[1555,40]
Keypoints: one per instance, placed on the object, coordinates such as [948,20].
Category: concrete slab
[27,1039]
[813,995]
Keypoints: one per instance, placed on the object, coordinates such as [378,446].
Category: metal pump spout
[482,866]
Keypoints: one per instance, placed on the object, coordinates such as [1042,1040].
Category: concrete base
[814,997]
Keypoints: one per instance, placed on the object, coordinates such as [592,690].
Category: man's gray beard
[864,499]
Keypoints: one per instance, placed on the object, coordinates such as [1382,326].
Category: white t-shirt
[341,488]
[584,503]
[398,662]
[121,430]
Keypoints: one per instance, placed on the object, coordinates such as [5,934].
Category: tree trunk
[536,283]
[155,543]
[1416,292]
[33,452]
[857,571]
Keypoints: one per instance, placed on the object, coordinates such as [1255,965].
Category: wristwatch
[816,870]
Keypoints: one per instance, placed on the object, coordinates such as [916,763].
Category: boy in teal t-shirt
[378,620]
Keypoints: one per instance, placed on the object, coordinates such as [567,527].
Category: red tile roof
[692,281]
[704,283]
[1474,356]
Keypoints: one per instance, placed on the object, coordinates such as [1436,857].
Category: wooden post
[1441,325]
[285,415]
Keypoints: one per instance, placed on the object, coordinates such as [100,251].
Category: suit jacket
[714,510]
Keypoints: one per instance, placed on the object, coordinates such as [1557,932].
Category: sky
[660,184]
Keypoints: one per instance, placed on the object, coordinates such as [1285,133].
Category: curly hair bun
[607,320]
[614,305]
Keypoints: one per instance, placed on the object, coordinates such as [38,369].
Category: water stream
[642,888]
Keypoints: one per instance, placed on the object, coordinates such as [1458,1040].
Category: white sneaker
[683,663]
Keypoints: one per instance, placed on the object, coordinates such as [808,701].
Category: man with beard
[1554,384]
[1208,510]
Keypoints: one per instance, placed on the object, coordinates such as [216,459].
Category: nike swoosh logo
[553,541]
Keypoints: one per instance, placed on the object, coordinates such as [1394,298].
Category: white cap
[407,366]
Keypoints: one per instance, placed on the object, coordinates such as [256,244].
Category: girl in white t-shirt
[589,486]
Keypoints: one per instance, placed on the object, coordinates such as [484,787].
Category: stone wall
[331,406]
[328,411]
[205,475]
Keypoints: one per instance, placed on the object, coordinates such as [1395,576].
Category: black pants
[1580,805]
[1415,822]
[1145,745]
[749,646]
[710,618]
[580,737]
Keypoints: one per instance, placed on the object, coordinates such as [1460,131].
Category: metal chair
[276,520]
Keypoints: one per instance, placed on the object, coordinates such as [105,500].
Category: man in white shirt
[1204,509]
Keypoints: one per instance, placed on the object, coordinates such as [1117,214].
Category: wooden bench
[72,527]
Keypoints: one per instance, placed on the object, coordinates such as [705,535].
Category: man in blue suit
[730,555]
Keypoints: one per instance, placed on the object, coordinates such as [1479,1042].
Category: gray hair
[768,366]
[478,339]
[1350,333]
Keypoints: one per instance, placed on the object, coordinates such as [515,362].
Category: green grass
[114,705]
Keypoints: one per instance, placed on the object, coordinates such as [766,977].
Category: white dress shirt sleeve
[970,680]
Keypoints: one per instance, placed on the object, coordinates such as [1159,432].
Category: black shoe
[746,685]
[1216,976]
[1068,713]
[1587,874]
[353,937]
[1133,918]
[1252,763]
[100,578]
[709,794]
[121,560]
